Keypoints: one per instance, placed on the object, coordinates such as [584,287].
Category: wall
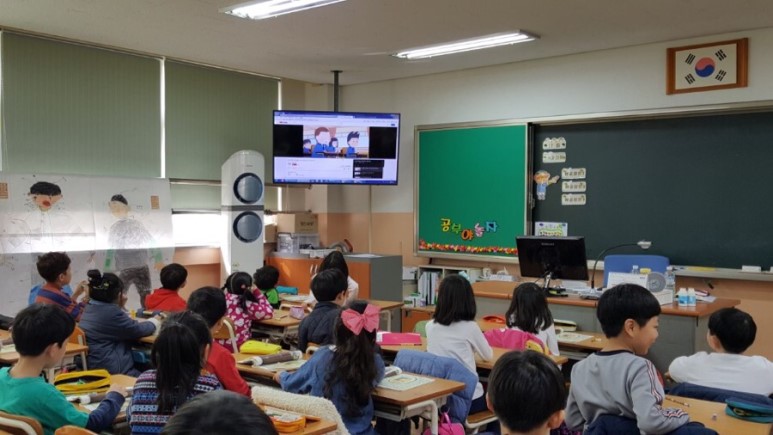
[624,79]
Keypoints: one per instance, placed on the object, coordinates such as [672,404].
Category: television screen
[563,257]
[335,147]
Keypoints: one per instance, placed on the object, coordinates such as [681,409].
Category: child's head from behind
[455,300]
[629,312]
[219,412]
[42,328]
[354,357]
[178,355]
[733,329]
[529,309]
[533,382]
[209,303]
[335,260]
[54,267]
[173,276]
[328,285]
[266,277]
[238,283]
[105,287]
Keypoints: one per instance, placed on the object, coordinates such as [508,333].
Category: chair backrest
[226,332]
[300,403]
[73,430]
[425,363]
[77,336]
[421,328]
[19,424]
[515,339]
[624,263]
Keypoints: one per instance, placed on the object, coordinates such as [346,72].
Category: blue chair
[624,263]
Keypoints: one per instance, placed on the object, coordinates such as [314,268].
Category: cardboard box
[269,233]
[296,223]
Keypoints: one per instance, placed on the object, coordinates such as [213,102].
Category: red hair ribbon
[355,321]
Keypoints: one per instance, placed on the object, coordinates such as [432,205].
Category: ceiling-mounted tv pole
[336,87]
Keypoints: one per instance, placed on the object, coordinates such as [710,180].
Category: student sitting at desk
[109,330]
[329,287]
[336,260]
[265,280]
[348,373]
[453,332]
[534,383]
[209,302]
[617,380]
[178,356]
[244,306]
[55,268]
[40,334]
[529,312]
[731,332]
[167,298]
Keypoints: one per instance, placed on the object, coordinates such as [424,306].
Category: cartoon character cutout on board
[543,180]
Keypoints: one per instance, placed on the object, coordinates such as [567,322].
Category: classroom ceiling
[357,36]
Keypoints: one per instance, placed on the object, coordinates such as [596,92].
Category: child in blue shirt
[40,334]
[346,373]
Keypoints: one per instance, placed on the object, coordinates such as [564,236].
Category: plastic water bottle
[692,300]
[635,269]
[670,279]
[682,297]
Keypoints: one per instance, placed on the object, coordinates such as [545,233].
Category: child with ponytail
[346,373]
[244,305]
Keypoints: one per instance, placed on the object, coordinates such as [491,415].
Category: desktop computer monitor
[552,257]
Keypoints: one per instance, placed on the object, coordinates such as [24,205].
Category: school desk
[254,372]
[482,365]
[424,400]
[682,329]
[712,415]
[7,358]
[279,327]
[124,381]
[574,349]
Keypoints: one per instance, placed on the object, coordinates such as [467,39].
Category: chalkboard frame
[684,112]
[525,206]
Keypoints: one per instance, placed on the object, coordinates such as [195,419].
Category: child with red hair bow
[346,373]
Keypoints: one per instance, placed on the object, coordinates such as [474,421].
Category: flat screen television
[552,257]
[335,147]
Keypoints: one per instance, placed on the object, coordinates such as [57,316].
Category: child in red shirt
[209,302]
[167,298]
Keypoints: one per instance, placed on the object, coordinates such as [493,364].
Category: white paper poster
[573,199]
[573,173]
[554,143]
[573,186]
[552,229]
[553,157]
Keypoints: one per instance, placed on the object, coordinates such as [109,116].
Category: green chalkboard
[698,187]
[471,190]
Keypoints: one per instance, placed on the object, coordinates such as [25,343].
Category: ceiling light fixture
[273,8]
[480,43]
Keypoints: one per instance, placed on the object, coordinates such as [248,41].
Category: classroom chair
[425,363]
[301,404]
[226,332]
[421,328]
[73,430]
[79,337]
[19,424]
[624,263]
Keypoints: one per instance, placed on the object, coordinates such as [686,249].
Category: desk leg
[388,318]
[420,408]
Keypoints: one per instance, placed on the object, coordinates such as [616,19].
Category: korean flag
[706,66]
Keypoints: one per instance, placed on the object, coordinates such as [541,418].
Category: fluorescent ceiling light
[273,8]
[466,45]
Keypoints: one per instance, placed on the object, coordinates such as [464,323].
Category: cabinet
[413,315]
[379,276]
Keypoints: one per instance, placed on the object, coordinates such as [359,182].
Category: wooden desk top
[316,426]
[246,369]
[386,305]
[704,412]
[281,319]
[12,357]
[436,388]
[593,344]
[122,380]
[484,365]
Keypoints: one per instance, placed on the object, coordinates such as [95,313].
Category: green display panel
[471,190]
